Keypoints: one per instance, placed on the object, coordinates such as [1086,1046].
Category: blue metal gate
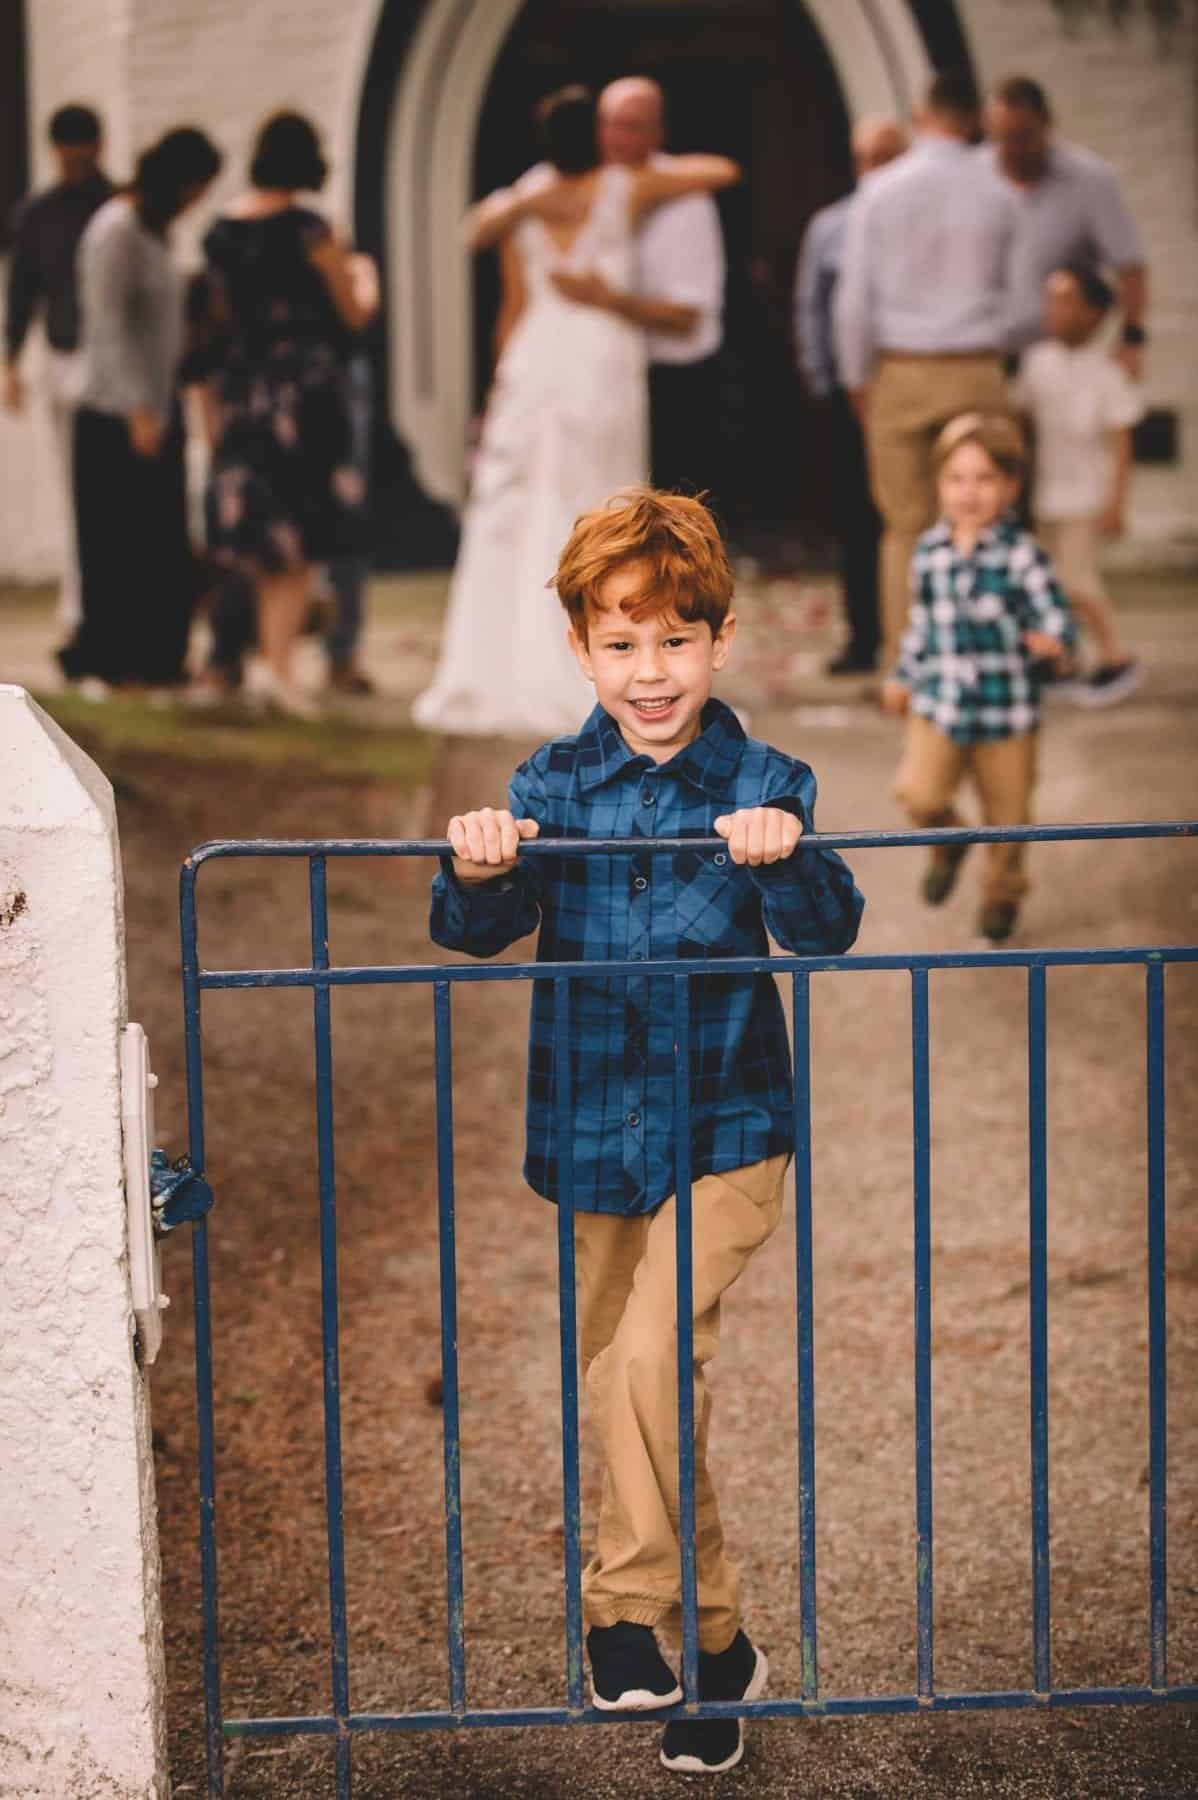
[342,1723]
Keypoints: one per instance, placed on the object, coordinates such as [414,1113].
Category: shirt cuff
[472,892]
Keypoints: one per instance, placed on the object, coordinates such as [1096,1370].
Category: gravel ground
[1135,761]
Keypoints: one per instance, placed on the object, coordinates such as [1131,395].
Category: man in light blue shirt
[923,316]
[1073,209]
[854,519]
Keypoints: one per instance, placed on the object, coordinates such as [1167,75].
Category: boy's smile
[653,675]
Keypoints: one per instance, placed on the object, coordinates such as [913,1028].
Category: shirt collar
[709,763]
[998,533]
[936,143]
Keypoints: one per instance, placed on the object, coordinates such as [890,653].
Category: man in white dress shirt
[923,317]
[679,298]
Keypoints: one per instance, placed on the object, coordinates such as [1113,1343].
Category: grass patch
[124,731]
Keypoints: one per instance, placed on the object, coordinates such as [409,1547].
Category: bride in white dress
[566,425]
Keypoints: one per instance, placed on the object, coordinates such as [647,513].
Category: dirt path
[1132,762]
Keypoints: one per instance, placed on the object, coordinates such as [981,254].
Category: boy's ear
[721,644]
[579,647]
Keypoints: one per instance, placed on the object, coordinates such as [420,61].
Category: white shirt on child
[1076,398]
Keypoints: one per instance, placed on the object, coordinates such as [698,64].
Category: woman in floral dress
[283,492]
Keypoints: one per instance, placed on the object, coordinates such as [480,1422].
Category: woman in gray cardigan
[134,558]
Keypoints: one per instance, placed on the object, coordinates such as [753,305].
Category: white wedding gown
[566,425]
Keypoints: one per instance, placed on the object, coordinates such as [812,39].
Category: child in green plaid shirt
[986,612]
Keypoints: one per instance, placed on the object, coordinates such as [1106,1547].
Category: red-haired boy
[647,589]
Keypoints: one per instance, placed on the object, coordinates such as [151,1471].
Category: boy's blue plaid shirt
[962,655]
[688,903]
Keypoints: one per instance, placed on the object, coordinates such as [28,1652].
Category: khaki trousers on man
[911,399]
[627,1314]
[1003,772]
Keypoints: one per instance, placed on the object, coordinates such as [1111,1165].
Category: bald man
[679,298]
[854,517]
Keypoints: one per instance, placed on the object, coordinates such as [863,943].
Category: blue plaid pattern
[962,655]
[639,907]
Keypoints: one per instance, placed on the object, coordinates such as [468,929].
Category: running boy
[647,589]
[985,609]
[1083,406]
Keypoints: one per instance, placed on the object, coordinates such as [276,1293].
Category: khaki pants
[1003,772]
[1073,546]
[627,1313]
[911,399]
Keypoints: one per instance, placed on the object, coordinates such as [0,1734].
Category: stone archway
[875,46]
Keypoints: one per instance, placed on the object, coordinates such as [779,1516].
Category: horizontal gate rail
[828,840]
[322,976]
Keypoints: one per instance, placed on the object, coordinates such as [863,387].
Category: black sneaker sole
[694,1765]
[1110,694]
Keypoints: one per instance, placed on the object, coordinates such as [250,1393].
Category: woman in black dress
[283,492]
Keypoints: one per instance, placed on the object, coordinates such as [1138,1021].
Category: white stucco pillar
[81,1657]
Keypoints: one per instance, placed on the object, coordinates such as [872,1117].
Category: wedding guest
[41,282]
[923,317]
[348,573]
[1076,214]
[855,519]
[134,556]
[1082,406]
[283,489]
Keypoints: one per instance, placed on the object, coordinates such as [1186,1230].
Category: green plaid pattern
[962,654]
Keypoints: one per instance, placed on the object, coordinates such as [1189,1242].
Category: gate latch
[159,1194]
[178,1194]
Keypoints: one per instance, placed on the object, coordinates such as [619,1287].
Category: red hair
[675,539]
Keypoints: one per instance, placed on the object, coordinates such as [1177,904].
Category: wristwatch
[1134,335]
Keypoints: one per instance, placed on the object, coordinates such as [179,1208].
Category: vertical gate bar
[921,1139]
[214,1745]
[685,1316]
[568,1328]
[1037,1115]
[334,1498]
[805,1300]
[1157,1368]
[451,1440]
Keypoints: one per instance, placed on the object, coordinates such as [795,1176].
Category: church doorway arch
[447,113]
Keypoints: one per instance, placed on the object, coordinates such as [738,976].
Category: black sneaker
[628,1671]
[998,920]
[1108,683]
[709,1746]
[851,662]
[940,877]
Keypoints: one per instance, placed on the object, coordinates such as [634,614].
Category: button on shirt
[815,286]
[1075,213]
[637,905]
[962,655]
[931,257]
[1077,396]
